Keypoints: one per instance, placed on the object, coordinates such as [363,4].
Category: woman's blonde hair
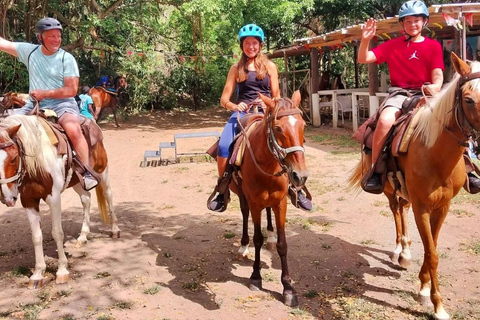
[260,62]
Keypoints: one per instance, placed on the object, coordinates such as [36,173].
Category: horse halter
[459,111]
[20,172]
[278,152]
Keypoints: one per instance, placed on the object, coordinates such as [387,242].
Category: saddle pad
[407,136]
[48,129]
[243,144]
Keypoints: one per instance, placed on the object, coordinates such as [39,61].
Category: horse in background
[32,169]
[12,100]
[105,98]
[433,170]
[275,159]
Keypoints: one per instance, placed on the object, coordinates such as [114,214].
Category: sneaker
[303,202]
[473,183]
[89,181]
[217,204]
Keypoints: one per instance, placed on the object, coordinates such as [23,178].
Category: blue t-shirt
[47,72]
[86,100]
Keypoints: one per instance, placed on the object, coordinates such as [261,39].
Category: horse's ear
[460,66]
[268,101]
[12,131]
[296,98]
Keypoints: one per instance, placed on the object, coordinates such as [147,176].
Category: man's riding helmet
[46,24]
[251,30]
[413,8]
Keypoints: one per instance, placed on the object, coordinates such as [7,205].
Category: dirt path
[176,260]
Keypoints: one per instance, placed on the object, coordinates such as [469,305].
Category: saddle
[59,139]
[398,139]
[111,91]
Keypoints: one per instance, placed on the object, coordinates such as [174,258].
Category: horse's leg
[394,207]
[54,203]
[271,239]
[289,294]
[33,214]
[104,191]
[405,258]
[114,111]
[256,277]
[243,250]
[428,224]
[85,198]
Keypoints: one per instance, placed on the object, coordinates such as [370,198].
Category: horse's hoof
[63,278]
[35,284]
[256,285]
[115,235]
[426,301]
[80,243]
[442,315]
[271,246]
[404,262]
[241,257]
[290,299]
[394,257]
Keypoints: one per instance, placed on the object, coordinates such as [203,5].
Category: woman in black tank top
[252,74]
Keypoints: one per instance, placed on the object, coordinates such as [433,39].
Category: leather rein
[276,150]
[20,170]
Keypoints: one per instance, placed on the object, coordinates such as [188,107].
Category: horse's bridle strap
[4,145]
[468,77]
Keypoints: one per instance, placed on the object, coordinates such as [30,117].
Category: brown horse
[31,169]
[273,159]
[104,98]
[12,100]
[434,169]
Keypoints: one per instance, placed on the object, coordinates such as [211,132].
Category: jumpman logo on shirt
[414,56]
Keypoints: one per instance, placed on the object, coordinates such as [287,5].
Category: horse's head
[121,83]
[469,85]
[285,126]
[10,165]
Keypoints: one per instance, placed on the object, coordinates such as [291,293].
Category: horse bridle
[459,113]
[20,172]
[277,151]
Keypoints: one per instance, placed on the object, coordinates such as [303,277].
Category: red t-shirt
[410,63]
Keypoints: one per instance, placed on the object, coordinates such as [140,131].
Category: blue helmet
[413,8]
[251,30]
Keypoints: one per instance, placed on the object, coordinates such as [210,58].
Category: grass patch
[191,286]
[356,308]
[152,290]
[310,294]
[228,235]
[100,275]
[368,242]
[122,305]
[342,141]
[21,271]
[472,247]
[461,213]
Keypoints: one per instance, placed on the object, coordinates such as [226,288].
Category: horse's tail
[355,179]
[102,203]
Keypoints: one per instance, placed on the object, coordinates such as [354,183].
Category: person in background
[86,106]
[252,74]
[53,83]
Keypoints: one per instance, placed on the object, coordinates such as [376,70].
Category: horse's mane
[39,154]
[438,111]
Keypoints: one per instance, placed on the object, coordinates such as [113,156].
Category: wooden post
[285,75]
[355,64]
[314,106]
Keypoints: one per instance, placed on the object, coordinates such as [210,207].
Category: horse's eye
[469,100]
[278,129]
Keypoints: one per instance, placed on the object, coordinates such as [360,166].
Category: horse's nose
[299,178]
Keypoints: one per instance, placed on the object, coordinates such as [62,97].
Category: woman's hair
[260,62]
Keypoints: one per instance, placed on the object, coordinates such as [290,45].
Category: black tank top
[248,89]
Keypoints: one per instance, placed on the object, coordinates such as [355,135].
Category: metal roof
[386,29]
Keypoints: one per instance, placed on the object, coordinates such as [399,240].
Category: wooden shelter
[448,21]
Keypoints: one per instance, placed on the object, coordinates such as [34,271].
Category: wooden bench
[174,144]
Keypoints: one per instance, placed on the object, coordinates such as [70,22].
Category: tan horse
[434,169]
[273,159]
[31,169]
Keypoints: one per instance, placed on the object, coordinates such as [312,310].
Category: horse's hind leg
[256,278]
[243,250]
[401,253]
[114,111]
[85,198]
[271,238]
[104,191]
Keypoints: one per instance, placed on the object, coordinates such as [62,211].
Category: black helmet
[47,24]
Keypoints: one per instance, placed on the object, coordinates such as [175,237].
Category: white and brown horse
[31,169]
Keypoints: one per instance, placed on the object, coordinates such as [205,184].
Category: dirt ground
[176,260]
